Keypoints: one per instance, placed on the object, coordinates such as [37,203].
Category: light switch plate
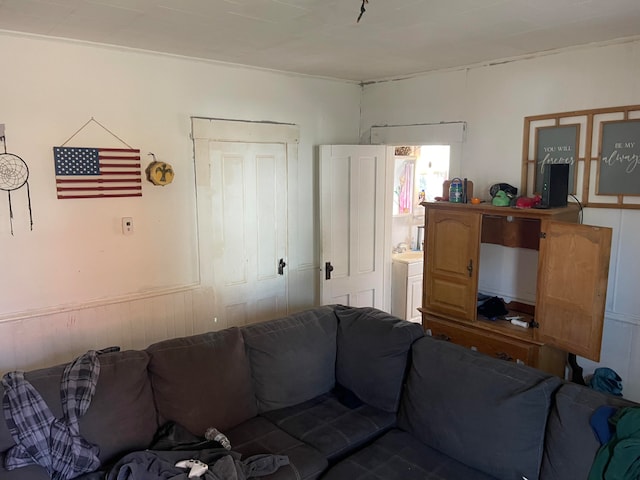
[127,225]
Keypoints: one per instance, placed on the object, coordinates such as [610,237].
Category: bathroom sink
[408,257]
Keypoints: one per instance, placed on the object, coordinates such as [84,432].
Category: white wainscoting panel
[40,340]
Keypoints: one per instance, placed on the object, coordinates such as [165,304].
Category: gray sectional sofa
[346,394]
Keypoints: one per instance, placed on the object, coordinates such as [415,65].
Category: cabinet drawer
[414,268]
[484,342]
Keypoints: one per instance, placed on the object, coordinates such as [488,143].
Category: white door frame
[205,130]
[445,133]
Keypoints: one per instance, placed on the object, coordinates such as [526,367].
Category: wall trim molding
[417,134]
[622,318]
[247,131]
[71,307]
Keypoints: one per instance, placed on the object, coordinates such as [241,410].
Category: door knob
[281,265]
[328,268]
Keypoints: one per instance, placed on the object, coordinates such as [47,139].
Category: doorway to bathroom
[434,146]
[419,172]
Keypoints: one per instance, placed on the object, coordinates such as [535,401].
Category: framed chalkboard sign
[557,144]
[619,159]
[602,147]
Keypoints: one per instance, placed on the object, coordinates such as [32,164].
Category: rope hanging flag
[89,172]
[14,174]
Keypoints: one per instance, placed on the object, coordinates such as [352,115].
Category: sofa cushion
[292,358]
[331,426]
[373,347]
[400,456]
[32,472]
[570,443]
[202,381]
[258,436]
[121,416]
[487,413]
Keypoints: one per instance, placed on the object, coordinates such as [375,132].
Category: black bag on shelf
[492,308]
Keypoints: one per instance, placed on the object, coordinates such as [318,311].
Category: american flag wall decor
[97,172]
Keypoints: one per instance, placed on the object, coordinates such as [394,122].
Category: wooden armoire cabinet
[571,281]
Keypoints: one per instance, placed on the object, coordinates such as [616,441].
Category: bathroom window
[419,172]
[432,169]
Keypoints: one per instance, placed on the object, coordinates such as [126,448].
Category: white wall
[75,282]
[75,274]
[494,100]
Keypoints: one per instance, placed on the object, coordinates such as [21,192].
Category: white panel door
[249,208]
[354,225]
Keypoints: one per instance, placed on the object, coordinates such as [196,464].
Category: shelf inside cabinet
[506,328]
[511,231]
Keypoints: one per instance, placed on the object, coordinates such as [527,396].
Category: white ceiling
[321,37]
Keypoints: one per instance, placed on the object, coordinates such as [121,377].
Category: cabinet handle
[504,356]
[442,336]
[470,267]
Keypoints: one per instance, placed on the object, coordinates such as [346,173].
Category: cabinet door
[573,269]
[414,298]
[451,255]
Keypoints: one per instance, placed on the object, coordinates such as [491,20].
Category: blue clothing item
[41,439]
[606,380]
[600,423]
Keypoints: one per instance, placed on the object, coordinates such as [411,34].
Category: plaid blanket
[41,439]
